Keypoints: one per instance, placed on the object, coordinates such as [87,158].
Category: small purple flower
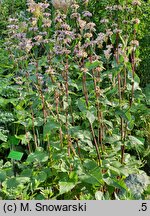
[104,21]
[86,14]
[46,14]
[12,20]
[13,27]
[33,29]
[117,31]
[75,15]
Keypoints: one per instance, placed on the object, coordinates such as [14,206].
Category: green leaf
[109,123]
[26,173]
[90,116]
[113,38]
[13,140]
[2,175]
[39,197]
[25,138]
[14,182]
[43,61]
[73,176]
[6,66]
[136,141]
[114,170]
[90,164]
[73,84]
[84,136]
[126,115]
[136,78]
[99,195]
[81,104]
[147,93]
[93,176]
[65,187]
[111,92]
[10,183]
[50,125]
[65,103]
[93,65]
[97,173]
[131,125]
[38,156]
[41,177]
[116,68]
[120,184]
[112,139]
[90,179]
[22,180]
[15,155]
[3,137]
[38,121]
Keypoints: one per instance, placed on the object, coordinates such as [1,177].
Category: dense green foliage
[144,35]
[74,120]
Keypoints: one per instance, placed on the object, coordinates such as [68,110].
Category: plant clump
[70,103]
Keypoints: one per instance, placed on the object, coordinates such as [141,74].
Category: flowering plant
[76,101]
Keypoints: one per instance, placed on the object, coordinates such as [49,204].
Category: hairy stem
[32,116]
[87,104]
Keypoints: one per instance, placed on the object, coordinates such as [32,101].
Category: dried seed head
[136,21]
[134,42]
[136,3]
